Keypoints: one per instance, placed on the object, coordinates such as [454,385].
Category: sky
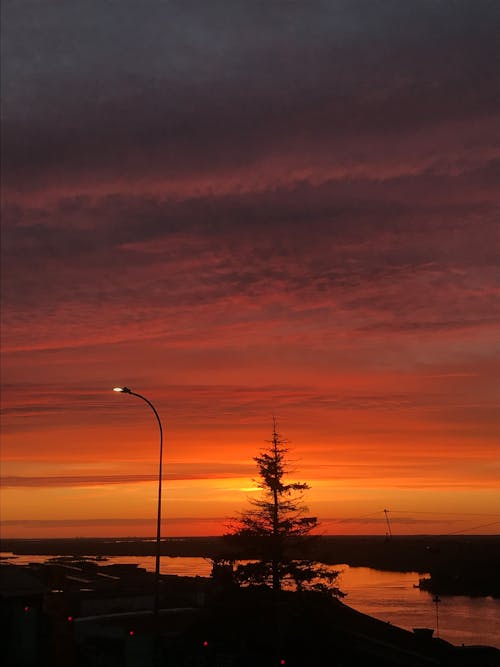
[245,210]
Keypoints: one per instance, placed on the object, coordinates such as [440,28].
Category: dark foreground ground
[461,565]
[82,613]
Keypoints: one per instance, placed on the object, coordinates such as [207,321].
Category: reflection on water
[388,596]
[392,597]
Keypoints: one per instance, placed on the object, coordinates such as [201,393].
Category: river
[388,596]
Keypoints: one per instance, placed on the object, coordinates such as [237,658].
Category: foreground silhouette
[85,614]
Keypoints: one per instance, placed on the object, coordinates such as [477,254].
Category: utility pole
[389,531]
[436,599]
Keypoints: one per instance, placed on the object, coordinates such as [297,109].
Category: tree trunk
[276,555]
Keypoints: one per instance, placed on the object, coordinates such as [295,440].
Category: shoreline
[458,565]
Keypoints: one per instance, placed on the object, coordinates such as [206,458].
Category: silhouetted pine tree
[276,528]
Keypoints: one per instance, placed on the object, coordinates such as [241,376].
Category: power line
[357,518]
[466,530]
[447,513]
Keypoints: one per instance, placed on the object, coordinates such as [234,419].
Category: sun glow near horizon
[349,478]
[93,510]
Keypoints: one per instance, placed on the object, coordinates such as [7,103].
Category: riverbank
[392,597]
[460,565]
[89,610]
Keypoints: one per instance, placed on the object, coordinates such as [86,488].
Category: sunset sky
[242,209]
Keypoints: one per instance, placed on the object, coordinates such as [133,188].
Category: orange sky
[242,214]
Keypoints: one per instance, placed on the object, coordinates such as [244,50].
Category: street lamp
[126,390]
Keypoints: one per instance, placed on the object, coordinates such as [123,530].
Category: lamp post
[126,390]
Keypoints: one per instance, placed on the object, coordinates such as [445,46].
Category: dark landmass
[81,613]
[460,565]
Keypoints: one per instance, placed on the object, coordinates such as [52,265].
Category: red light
[205,643]
[131,633]
[282,662]
[70,618]
[26,608]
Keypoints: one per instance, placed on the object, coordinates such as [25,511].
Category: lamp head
[123,390]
